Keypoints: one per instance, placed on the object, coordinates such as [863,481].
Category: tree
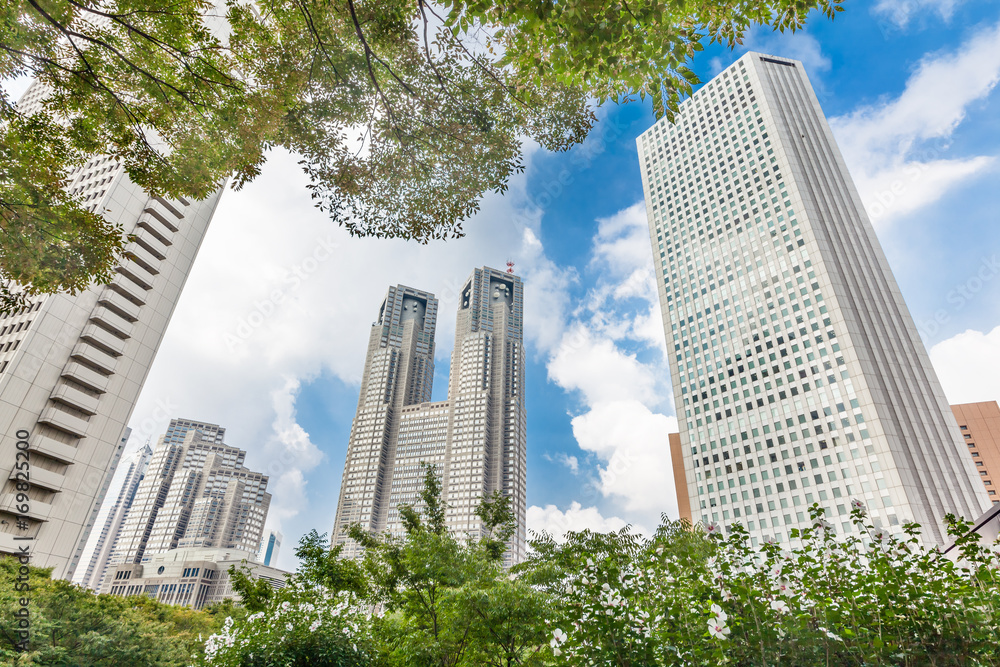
[448,600]
[69,625]
[404,112]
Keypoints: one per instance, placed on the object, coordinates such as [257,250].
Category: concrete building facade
[476,438]
[196,494]
[979,424]
[72,366]
[798,373]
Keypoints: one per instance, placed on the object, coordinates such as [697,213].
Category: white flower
[590,563]
[831,635]
[717,628]
[559,636]
[315,624]
[713,528]
[779,606]
[717,610]
[605,588]
[289,627]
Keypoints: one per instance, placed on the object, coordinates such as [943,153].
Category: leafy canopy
[404,112]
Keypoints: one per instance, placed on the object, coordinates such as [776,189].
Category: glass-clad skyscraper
[798,373]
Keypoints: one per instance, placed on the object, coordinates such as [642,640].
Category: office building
[798,374]
[72,366]
[475,439]
[196,493]
[96,567]
[192,577]
[979,424]
[269,547]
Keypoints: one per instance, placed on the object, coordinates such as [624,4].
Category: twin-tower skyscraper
[475,439]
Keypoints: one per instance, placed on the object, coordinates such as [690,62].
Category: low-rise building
[192,577]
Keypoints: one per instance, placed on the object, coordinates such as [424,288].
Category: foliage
[72,626]
[405,113]
[688,598]
[447,599]
[298,627]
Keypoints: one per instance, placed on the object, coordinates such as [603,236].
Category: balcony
[137,273]
[46,479]
[64,421]
[37,510]
[154,245]
[104,339]
[112,321]
[86,376]
[74,398]
[153,225]
[164,212]
[94,357]
[9,545]
[129,289]
[52,448]
[116,302]
[143,257]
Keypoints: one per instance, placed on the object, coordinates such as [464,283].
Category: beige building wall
[980,427]
[680,482]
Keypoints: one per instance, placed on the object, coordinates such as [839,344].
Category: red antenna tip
[510,266]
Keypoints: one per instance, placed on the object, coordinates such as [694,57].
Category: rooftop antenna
[510,266]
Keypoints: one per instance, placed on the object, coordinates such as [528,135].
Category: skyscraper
[72,367]
[196,493]
[269,547]
[798,374]
[106,541]
[476,438]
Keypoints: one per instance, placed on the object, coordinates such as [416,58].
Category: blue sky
[910,90]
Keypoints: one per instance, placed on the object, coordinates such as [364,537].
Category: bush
[696,597]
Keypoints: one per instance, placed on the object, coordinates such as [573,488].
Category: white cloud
[896,149]
[599,369]
[968,366]
[557,523]
[622,392]
[632,440]
[901,12]
[565,459]
[546,296]
[290,454]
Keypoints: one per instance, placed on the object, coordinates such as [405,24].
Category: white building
[191,577]
[798,374]
[476,438]
[196,493]
[94,574]
[72,367]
